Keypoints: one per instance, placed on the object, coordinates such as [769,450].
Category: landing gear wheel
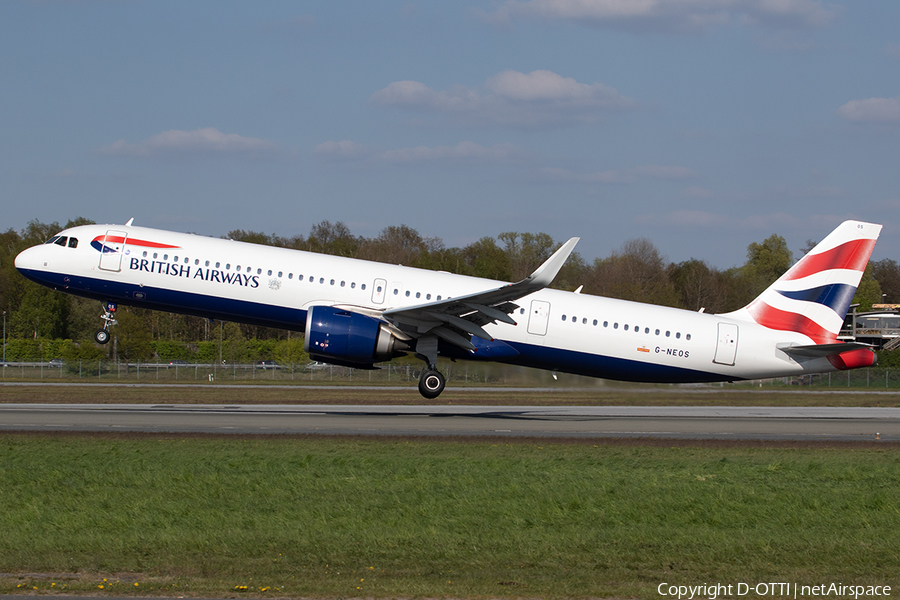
[102,336]
[431,384]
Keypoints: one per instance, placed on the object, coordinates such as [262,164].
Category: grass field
[345,517]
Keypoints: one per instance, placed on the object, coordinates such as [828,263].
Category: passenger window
[73,243]
[657,332]
[269,272]
[175,258]
[279,273]
[362,286]
[332,282]
[407,293]
[352,285]
[155,255]
[595,322]
[396,291]
[668,333]
[564,317]
[321,280]
[615,325]
[186,259]
[678,336]
[206,264]
[418,294]
[625,328]
[428,296]
[438,298]
[165,257]
[688,337]
[574,318]
[606,323]
[196,261]
[144,254]
[259,271]
[646,330]
[290,275]
[584,321]
[342,283]
[217,264]
[227,266]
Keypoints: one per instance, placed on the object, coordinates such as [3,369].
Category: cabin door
[112,246]
[539,317]
[726,348]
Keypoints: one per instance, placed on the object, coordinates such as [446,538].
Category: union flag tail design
[812,298]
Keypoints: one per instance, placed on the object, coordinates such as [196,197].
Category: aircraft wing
[456,319]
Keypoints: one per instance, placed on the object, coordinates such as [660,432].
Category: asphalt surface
[725,423]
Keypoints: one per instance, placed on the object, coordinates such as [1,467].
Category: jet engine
[343,337]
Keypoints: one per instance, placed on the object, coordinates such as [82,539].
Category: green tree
[637,272]
[766,262]
[133,339]
[868,292]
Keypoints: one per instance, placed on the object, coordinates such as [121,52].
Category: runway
[726,423]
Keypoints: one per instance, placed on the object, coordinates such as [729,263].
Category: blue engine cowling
[343,337]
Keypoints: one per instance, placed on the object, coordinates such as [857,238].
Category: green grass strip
[347,517]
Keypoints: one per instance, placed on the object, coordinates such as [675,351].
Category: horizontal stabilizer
[823,350]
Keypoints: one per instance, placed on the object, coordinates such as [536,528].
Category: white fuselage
[555,330]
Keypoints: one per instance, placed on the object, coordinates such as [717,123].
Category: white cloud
[344,150]
[535,99]
[631,175]
[872,110]
[208,141]
[681,16]
[463,151]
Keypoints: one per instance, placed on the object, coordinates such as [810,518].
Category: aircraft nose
[31,261]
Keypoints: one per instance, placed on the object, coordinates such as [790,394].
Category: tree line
[637,271]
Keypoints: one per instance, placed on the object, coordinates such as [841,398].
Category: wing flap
[471,312]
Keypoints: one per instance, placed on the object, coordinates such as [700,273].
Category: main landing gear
[109,318]
[431,382]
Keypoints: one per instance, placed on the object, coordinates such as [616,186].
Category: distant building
[879,327]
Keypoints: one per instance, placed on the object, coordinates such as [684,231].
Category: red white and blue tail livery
[359,313]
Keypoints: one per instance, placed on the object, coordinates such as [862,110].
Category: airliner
[358,313]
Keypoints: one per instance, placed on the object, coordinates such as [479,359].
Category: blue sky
[702,125]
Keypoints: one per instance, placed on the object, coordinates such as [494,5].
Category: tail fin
[812,298]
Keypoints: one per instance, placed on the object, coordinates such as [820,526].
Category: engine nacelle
[343,337]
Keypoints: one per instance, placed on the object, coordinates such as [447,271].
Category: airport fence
[388,374]
[111,371]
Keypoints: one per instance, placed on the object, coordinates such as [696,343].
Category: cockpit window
[61,241]
[51,240]
[73,242]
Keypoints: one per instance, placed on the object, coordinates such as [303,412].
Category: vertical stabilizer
[812,298]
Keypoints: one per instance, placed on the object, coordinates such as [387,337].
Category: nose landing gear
[109,318]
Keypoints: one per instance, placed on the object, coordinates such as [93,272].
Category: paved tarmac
[727,423]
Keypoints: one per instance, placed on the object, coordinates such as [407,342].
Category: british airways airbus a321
[358,313]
